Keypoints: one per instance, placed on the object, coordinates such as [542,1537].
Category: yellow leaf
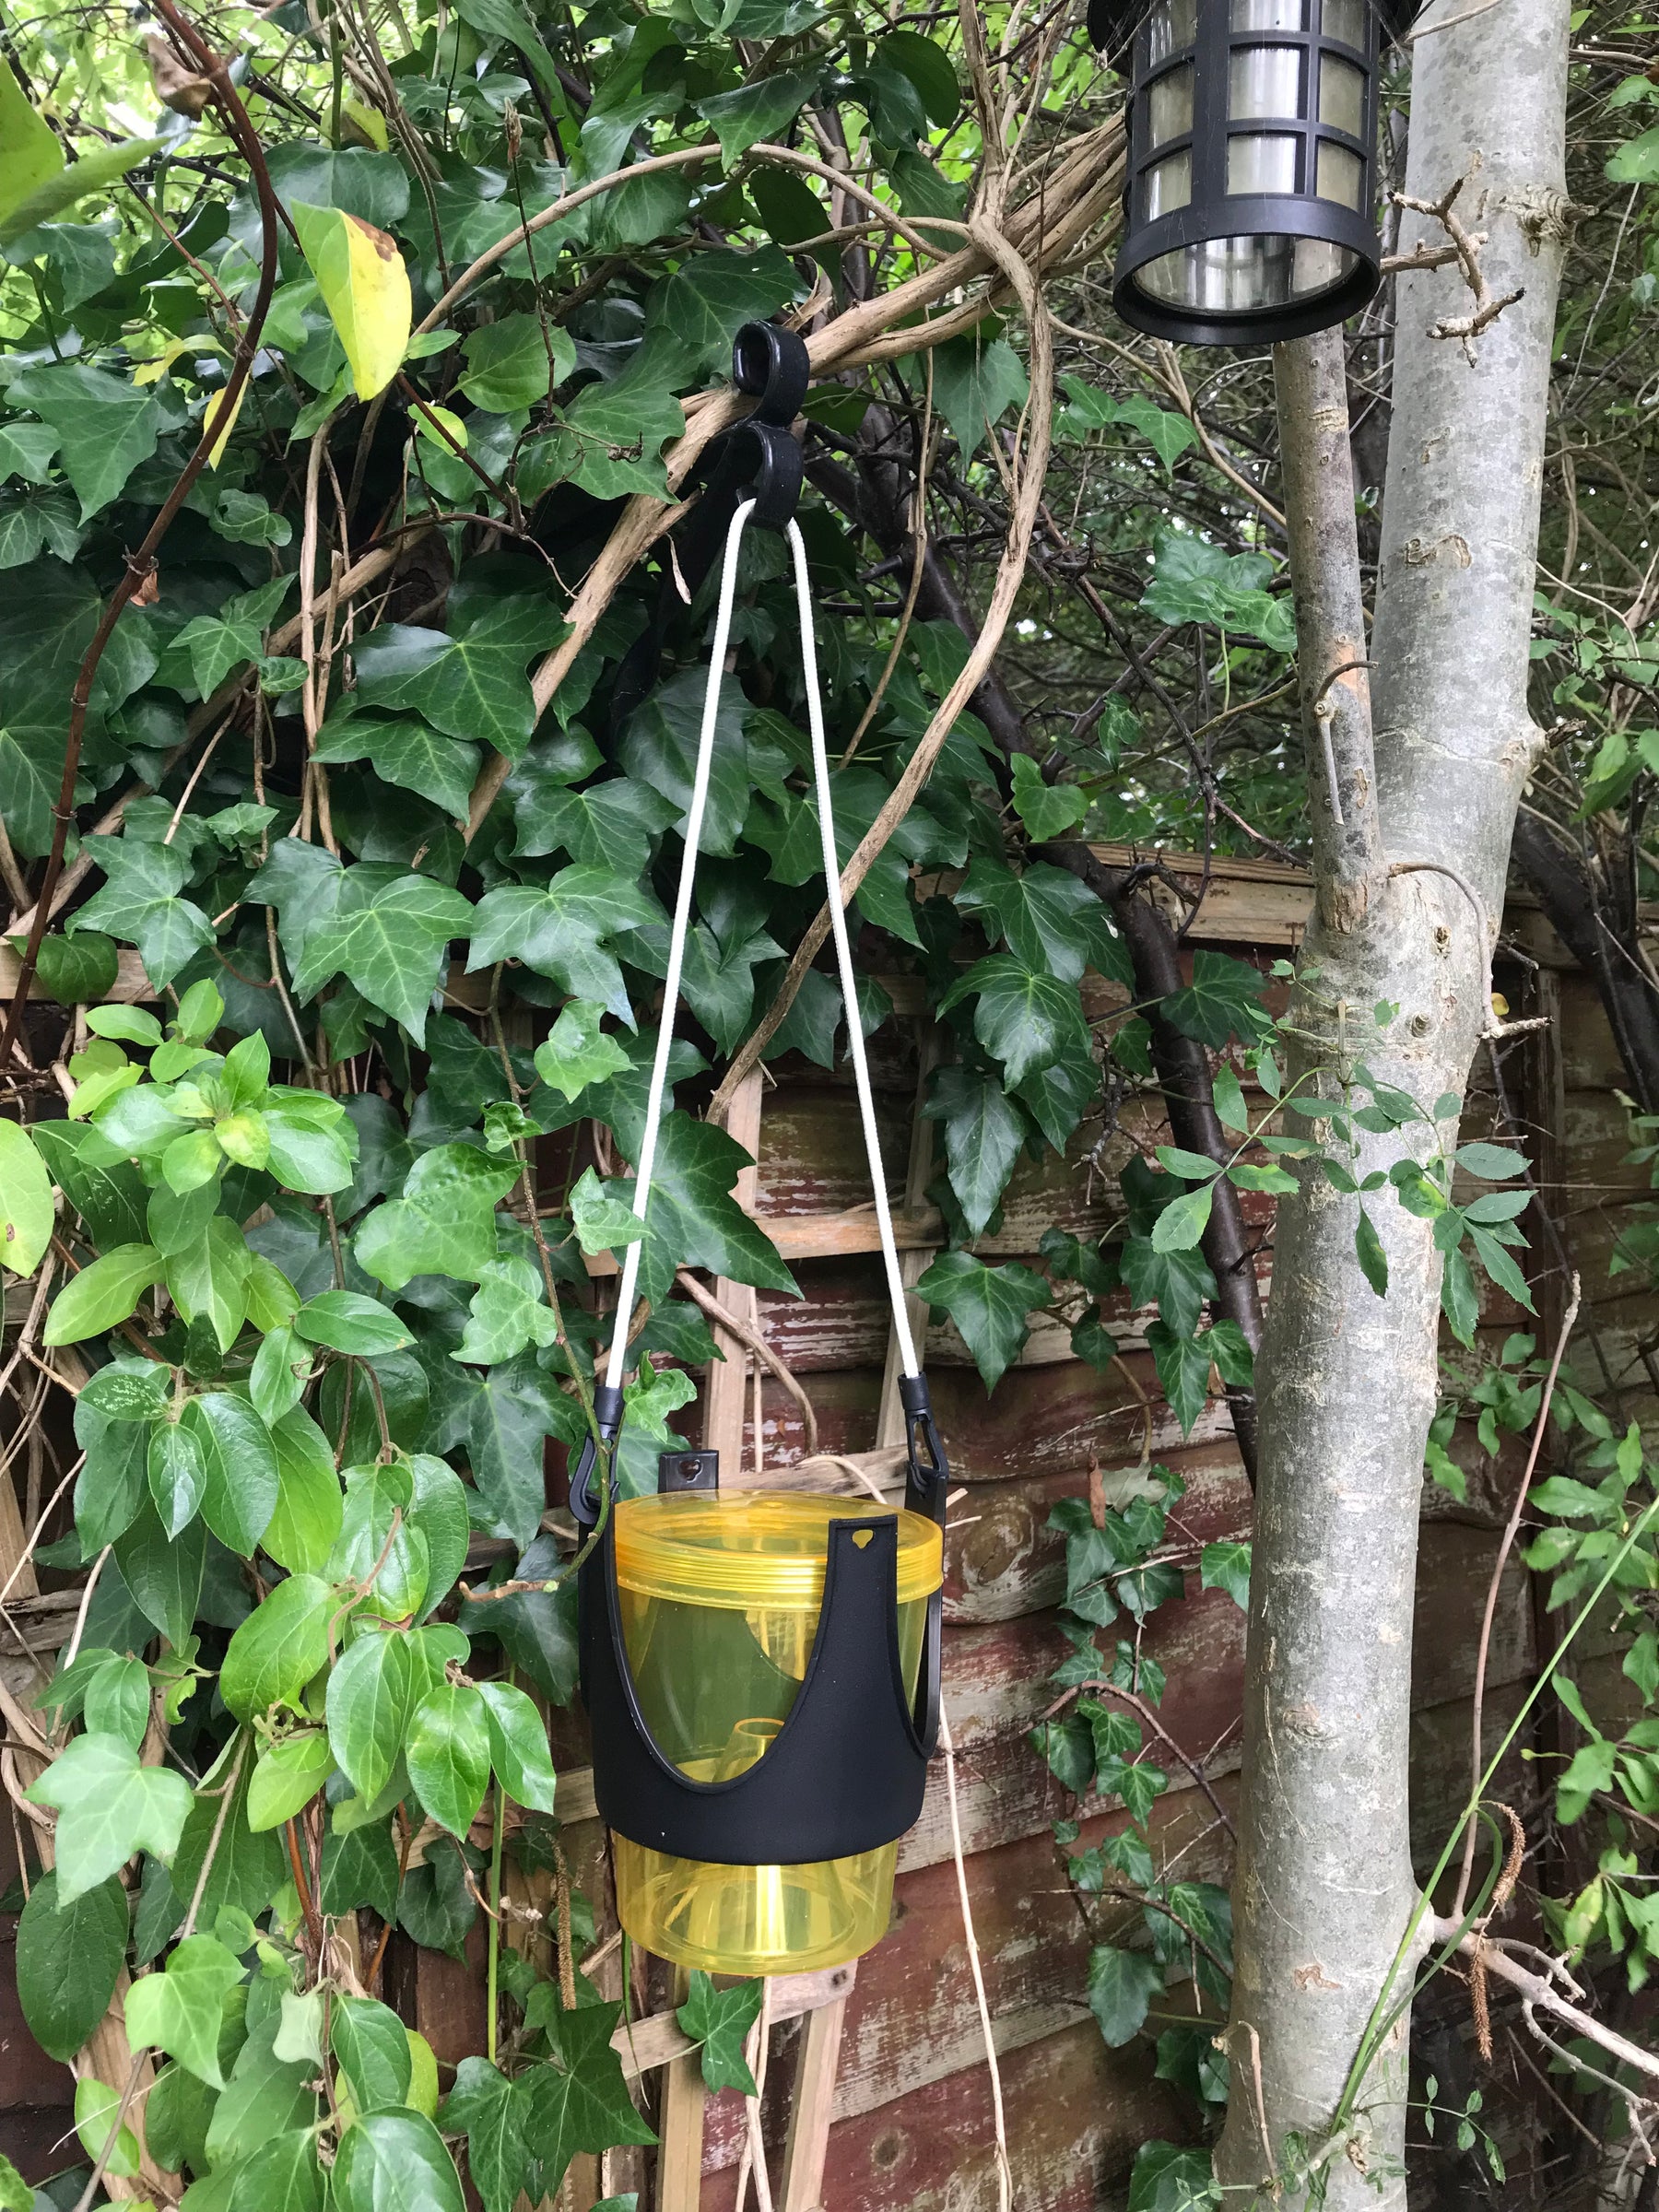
[1500,1005]
[210,421]
[362,124]
[365,288]
[29,152]
[427,418]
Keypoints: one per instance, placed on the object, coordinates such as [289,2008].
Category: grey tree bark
[1428,772]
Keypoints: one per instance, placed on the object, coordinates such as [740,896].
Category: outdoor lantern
[1252,170]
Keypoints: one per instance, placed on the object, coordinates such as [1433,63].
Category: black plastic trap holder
[848,1769]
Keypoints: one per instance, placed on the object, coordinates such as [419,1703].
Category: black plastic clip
[607,1415]
[759,458]
[927,1480]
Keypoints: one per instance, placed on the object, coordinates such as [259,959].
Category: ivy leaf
[989,1306]
[536,1628]
[239,1495]
[1167,434]
[280,1646]
[109,1806]
[508,1312]
[562,931]
[408,753]
[447,1747]
[368,1709]
[140,903]
[1048,810]
[282,2174]
[492,2110]
[395,2163]
[974,385]
[1183,1366]
[1226,1566]
[470,684]
[518,1744]
[27,1216]
[102,1294]
[720,2020]
[371,2045]
[755,110]
[106,427]
[1197,581]
[603,1223]
[508,364]
[613,434]
[1027,1019]
[580,2100]
[179,2011]
[694,1221]
[387,934]
[702,305]
[660,747]
[1223,1001]
[1166,2179]
[444,1221]
[1048,917]
[1121,1985]
[69,1959]
[984,1132]
[652,1395]
[577,1051]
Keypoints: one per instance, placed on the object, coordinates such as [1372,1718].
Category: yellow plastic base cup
[719,1600]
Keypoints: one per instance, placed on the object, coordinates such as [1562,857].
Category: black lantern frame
[1251,165]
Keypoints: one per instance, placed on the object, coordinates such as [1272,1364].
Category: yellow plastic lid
[745,1548]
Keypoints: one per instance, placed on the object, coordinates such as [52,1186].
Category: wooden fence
[876,2090]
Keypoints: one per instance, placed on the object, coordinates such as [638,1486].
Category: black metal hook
[759,458]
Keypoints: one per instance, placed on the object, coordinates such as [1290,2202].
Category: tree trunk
[1325,1892]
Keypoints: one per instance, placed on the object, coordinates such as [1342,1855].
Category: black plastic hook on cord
[759,458]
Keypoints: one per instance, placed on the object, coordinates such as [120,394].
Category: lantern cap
[1113,23]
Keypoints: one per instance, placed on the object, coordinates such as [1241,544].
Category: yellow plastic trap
[719,1598]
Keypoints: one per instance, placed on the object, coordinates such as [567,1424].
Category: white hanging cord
[843,957]
[681,929]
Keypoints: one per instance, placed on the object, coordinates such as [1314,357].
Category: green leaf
[492,2111]
[1636,161]
[368,1707]
[1027,1019]
[508,1311]
[444,1222]
[108,1194]
[26,1207]
[694,1221]
[720,2020]
[16,2193]
[395,2163]
[105,425]
[1169,434]
[506,20]
[409,753]
[68,1959]
[282,2175]
[109,1806]
[577,1052]
[348,1321]
[1048,810]
[603,1223]
[208,1279]
[989,1306]
[243,1479]
[381,1547]
[96,2105]
[98,168]
[103,1294]
[613,435]
[652,1395]
[1223,1000]
[928,67]
[1050,921]
[1166,2179]
[1225,1565]
[518,1744]
[140,903]
[447,1747]
[305,1522]
[760,109]
[388,933]
[179,2011]
[1195,582]
[1368,1248]
[177,1474]
[1183,1366]
[563,930]
[974,385]
[1182,1222]
[702,305]
[1491,1163]
[29,157]
[365,288]
[371,2045]
[1460,1302]
[580,2101]
[283,1642]
[536,1628]
[285,1777]
[470,684]
[163,1572]
[984,1132]
[508,364]
[1121,1985]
